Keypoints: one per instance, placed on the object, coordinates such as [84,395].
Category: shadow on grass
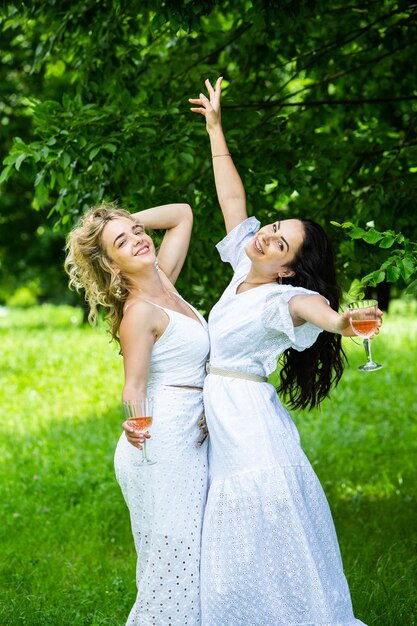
[68,555]
[378,539]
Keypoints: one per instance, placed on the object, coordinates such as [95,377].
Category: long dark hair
[307,377]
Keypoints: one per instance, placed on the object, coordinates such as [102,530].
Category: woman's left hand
[209,108]
[346,330]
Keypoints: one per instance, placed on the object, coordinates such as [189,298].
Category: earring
[156,266]
[279,280]
[118,292]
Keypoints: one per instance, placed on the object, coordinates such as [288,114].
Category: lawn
[67,557]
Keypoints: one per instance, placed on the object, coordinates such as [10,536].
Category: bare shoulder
[141,318]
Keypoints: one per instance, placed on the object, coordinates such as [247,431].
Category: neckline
[235,288]
[165,308]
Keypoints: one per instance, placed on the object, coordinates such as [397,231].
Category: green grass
[67,557]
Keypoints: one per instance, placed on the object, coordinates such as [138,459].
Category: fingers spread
[209,87]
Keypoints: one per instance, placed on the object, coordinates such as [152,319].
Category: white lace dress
[270,555]
[166,500]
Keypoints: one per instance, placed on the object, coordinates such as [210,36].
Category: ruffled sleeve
[232,247]
[277,319]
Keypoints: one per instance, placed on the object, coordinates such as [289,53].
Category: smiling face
[274,247]
[128,246]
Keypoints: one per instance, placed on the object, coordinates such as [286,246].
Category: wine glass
[364,322]
[140,413]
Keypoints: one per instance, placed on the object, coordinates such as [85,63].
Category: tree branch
[321,51]
[350,70]
[310,103]
[238,33]
[401,146]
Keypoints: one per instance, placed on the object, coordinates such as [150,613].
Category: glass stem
[367,346]
[144,457]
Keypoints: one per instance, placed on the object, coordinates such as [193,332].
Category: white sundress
[270,555]
[166,500]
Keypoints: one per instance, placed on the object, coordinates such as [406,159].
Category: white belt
[219,371]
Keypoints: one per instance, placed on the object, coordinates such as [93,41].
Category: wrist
[214,129]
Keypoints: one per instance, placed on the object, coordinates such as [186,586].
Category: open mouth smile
[143,250]
[258,247]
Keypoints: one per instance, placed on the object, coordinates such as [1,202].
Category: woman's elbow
[187,213]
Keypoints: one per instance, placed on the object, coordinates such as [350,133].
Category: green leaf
[269,187]
[356,291]
[407,267]
[412,287]
[393,273]
[39,177]
[187,157]
[158,20]
[357,233]
[387,241]
[372,236]
[380,276]
[66,101]
[110,147]
[20,160]
[374,278]
[65,160]
[5,175]
[94,152]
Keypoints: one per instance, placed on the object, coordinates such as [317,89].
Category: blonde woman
[164,343]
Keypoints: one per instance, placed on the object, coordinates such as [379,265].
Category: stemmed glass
[140,413]
[364,322]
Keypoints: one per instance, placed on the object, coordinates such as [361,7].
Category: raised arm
[229,187]
[177,219]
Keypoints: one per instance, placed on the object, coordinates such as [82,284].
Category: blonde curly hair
[90,268]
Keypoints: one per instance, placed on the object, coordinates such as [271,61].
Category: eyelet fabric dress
[270,555]
[166,500]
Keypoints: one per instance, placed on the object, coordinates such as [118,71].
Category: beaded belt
[219,371]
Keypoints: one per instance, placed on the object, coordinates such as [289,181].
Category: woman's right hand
[210,108]
[134,436]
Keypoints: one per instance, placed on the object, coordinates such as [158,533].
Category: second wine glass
[363,316]
[139,413]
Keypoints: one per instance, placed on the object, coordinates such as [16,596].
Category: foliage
[402,262]
[67,551]
[318,107]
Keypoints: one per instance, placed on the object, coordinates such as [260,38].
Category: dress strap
[197,316]
[158,305]
[149,302]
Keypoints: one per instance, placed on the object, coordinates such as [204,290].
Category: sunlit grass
[363,445]
[67,556]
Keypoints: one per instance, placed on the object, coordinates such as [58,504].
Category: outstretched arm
[315,309]
[229,187]
[177,219]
